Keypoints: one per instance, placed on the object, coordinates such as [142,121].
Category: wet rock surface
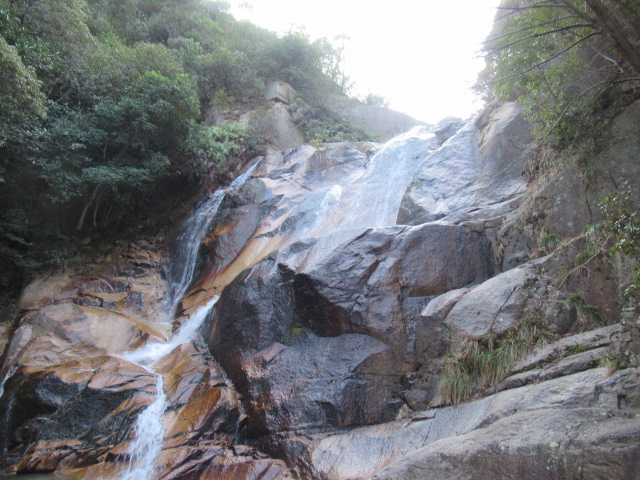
[348,276]
[367,319]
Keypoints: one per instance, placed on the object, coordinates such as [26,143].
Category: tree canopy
[566,59]
[101,109]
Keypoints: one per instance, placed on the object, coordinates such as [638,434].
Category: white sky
[421,55]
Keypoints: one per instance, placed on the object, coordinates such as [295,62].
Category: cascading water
[149,430]
[148,441]
[190,236]
[377,194]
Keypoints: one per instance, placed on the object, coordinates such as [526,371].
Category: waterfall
[149,430]
[190,236]
[188,241]
[377,194]
[148,441]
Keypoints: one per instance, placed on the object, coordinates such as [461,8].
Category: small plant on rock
[587,314]
[485,362]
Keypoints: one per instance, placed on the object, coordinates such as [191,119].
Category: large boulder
[341,296]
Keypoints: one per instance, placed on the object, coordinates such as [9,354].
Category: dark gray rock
[372,282]
[320,382]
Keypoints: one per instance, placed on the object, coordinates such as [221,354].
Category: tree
[21,97]
[117,146]
[563,58]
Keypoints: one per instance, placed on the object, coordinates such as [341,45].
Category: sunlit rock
[280,91]
[477,173]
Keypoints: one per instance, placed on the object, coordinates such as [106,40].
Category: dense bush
[101,111]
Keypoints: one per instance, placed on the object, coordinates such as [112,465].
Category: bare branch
[537,35]
[612,60]
[515,10]
[555,20]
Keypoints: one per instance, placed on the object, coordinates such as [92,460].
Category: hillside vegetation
[102,107]
[574,65]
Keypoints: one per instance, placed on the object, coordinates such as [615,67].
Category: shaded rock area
[488,425]
[350,278]
[70,400]
[566,203]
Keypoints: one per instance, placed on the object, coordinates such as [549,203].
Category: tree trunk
[86,208]
[609,23]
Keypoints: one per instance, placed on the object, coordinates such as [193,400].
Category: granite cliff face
[303,324]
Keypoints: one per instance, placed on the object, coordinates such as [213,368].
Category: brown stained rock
[217,462]
[131,284]
[249,470]
[210,411]
[106,470]
[72,413]
[51,455]
[59,333]
[47,290]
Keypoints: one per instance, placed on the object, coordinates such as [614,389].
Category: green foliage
[324,123]
[587,314]
[482,363]
[376,101]
[560,58]
[21,99]
[217,144]
[610,362]
[101,107]
[548,243]
[109,68]
[456,383]
[622,223]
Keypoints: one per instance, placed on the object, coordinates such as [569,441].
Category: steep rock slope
[349,277]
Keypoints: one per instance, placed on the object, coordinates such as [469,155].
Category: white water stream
[376,196]
[190,236]
[149,429]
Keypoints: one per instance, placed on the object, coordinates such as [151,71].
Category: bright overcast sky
[421,55]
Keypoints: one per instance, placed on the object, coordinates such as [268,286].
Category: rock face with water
[348,276]
[73,394]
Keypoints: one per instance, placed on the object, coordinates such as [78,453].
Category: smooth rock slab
[540,445]
[361,452]
[320,382]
